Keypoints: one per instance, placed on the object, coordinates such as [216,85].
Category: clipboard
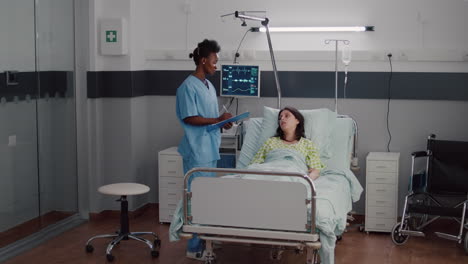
[232,119]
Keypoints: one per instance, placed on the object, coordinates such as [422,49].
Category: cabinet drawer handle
[171,172]
[172,183]
[172,161]
[379,213]
[172,204]
[380,190]
[380,178]
[381,167]
[172,194]
[380,224]
[380,201]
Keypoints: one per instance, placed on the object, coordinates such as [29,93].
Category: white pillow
[318,125]
[249,146]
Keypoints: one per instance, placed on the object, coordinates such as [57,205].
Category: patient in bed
[290,136]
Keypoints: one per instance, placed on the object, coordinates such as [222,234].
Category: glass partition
[38,175]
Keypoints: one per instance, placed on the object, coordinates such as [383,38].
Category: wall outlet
[12,141]
[187,7]
[249,54]
[226,55]
[402,56]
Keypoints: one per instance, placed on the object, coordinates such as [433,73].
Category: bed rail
[313,193]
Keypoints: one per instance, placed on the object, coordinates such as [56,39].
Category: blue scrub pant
[196,244]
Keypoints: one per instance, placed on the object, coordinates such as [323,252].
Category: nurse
[196,108]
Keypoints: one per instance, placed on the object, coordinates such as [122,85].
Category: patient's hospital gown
[304,146]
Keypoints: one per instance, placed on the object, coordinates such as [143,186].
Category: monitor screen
[240,80]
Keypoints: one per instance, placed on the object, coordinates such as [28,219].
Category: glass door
[38,174]
[56,110]
[19,194]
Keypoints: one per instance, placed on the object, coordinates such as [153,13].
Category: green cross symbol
[111,35]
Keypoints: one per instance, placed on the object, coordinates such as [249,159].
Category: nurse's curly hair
[204,49]
[300,127]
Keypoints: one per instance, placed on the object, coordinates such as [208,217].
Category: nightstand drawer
[379,224]
[169,195]
[382,166]
[381,190]
[168,205]
[381,201]
[382,177]
[171,165]
[171,182]
[166,215]
[380,212]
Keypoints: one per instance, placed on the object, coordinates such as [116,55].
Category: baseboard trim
[116,213]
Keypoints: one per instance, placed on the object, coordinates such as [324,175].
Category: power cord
[389,55]
[236,55]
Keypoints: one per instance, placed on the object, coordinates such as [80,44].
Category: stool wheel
[89,248]
[154,253]
[109,257]
[157,243]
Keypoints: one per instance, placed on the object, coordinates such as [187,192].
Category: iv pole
[264,21]
[346,42]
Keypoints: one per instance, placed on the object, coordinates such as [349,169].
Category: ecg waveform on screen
[240,90]
[240,80]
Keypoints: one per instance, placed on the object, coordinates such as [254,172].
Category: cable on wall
[389,55]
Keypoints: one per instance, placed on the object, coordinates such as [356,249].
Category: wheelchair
[440,191]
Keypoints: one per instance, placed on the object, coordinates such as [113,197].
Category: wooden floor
[356,247]
[30,227]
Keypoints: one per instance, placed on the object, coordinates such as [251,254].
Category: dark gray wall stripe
[365,85]
[37,84]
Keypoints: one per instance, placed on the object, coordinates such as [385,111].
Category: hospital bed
[279,208]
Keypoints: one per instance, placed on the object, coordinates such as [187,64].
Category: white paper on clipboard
[232,119]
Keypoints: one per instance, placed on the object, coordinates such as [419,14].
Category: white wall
[416,32]
[162,34]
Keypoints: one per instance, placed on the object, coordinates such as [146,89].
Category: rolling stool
[124,189]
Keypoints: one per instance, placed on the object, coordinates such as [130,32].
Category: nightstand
[381,191]
[171,182]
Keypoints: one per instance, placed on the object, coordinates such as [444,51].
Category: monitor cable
[389,55]
[236,55]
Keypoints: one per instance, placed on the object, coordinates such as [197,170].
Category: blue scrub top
[195,99]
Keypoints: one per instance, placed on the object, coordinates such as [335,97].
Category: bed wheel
[275,254]
[339,238]
[361,228]
[398,238]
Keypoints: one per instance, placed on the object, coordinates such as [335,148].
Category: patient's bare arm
[314,173]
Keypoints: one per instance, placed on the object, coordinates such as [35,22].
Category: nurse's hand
[227,125]
[224,117]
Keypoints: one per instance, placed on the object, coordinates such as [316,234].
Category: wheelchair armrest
[418,154]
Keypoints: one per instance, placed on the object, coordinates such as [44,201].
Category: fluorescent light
[318,29]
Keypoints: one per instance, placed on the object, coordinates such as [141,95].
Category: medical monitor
[240,80]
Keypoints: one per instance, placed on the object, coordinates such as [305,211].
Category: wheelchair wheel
[397,237]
